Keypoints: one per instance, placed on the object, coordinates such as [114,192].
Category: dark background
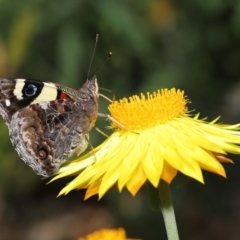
[192,45]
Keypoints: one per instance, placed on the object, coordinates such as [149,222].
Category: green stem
[168,211]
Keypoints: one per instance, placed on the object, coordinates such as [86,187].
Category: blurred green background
[193,45]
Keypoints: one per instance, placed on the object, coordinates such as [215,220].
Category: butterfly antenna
[109,55]
[90,65]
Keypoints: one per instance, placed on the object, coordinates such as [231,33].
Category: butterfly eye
[30,90]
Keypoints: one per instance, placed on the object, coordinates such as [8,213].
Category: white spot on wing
[44,106]
[7,102]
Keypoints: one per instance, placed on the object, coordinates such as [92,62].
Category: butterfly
[48,122]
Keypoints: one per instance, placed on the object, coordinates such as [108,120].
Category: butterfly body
[48,122]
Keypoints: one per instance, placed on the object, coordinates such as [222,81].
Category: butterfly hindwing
[46,134]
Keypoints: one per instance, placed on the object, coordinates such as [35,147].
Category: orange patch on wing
[63,96]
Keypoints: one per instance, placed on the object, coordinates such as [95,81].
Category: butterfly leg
[115,121]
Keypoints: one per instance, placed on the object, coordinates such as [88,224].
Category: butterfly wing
[47,134]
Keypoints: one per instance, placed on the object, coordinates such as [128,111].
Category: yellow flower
[154,137]
[106,234]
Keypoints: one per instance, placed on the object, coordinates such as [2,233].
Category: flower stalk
[167,210]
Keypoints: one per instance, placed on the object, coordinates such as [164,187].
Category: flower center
[141,112]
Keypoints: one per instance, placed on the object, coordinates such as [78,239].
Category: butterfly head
[92,85]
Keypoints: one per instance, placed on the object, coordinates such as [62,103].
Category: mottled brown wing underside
[47,134]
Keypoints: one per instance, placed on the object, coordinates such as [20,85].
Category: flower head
[106,234]
[154,137]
